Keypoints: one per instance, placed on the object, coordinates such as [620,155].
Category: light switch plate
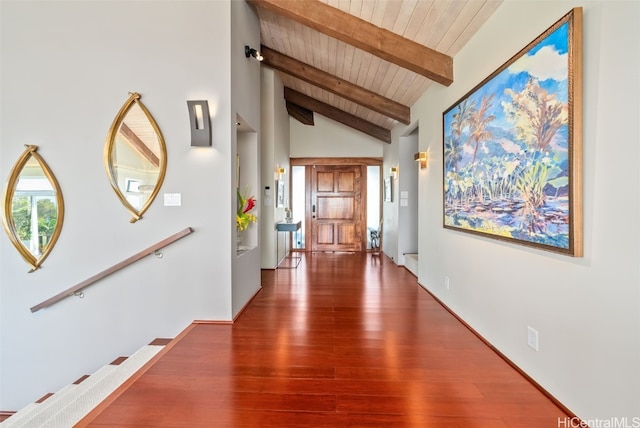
[172,199]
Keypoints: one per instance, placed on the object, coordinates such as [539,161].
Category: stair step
[67,406]
[21,413]
[51,406]
[29,414]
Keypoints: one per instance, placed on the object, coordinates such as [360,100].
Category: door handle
[313,210]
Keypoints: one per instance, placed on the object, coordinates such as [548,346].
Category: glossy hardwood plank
[344,340]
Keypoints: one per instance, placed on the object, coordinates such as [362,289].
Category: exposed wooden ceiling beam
[338,115]
[304,116]
[336,85]
[366,36]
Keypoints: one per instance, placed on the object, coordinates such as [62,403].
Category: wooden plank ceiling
[364,63]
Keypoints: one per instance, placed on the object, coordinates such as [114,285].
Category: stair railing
[76,290]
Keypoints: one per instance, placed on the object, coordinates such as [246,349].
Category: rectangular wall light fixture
[200,123]
[422,158]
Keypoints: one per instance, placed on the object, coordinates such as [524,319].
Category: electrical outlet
[446,282]
[532,338]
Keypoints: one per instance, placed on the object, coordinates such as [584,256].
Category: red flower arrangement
[243,214]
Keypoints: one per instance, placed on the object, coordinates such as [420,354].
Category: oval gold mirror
[135,157]
[33,208]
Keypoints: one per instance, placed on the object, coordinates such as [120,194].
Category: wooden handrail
[87,282]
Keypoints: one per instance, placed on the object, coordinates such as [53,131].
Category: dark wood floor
[344,340]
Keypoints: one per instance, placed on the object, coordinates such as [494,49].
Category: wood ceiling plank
[379,10]
[391,16]
[446,23]
[402,83]
[324,47]
[341,59]
[411,89]
[346,65]
[417,19]
[355,7]
[340,116]
[307,36]
[430,22]
[333,57]
[366,11]
[488,8]
[358,72]
[376,83]
[372,70]
[407,10]
[459,23]
[329,82]
[366,36]
[386,84]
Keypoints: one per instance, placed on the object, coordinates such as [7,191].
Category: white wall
[407,182]
[328,138]
[66,68]
[390,210]
[275,153]
[245,102]
[400,227]
[585,309]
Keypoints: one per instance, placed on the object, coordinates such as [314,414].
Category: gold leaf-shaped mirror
[135,157]
[33,208]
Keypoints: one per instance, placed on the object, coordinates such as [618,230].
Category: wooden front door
[337,208]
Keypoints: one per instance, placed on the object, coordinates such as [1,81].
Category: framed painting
[512,164]
[388,190]
[279,194]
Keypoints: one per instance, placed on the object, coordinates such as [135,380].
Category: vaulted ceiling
[363,63]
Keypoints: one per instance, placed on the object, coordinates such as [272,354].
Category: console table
[288,227]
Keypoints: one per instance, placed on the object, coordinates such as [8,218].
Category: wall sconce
[249,51]
[280,172]
[394,171]
[200,123]
[422,158]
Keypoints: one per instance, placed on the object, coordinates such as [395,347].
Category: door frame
[309,163]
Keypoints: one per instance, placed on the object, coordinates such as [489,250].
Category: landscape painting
[512,147]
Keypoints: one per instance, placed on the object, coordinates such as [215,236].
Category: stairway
[69,405]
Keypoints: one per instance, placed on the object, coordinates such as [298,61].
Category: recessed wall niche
[247,179]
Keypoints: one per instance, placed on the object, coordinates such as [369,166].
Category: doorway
[337,214]
[334,197]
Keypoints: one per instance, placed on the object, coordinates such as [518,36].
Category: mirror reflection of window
[132,185]
[34,208]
